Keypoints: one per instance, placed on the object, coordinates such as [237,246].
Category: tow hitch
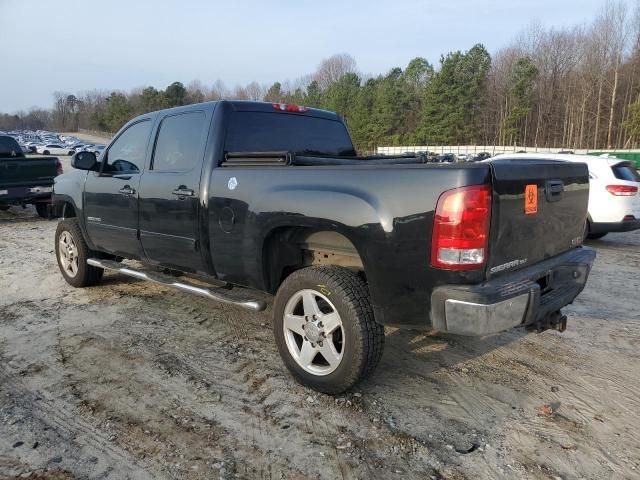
[556,321]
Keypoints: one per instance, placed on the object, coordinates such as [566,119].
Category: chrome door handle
[127,190]
[183,192]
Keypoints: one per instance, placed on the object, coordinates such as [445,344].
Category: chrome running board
[218,294]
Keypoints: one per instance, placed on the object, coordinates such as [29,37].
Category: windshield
[271,132]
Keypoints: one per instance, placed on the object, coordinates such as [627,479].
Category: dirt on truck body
[132,380]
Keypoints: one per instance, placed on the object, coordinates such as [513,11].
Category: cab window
[180,142]
[127,153]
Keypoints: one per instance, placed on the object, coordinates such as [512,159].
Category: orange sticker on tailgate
[531,199]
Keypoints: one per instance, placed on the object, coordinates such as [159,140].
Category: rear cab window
[9,147]
[626,171]
[276,132]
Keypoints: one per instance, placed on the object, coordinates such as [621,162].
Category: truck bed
[27,171]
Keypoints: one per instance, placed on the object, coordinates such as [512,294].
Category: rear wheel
[46,152]
[589,235]
[595,236]
[72,253]
[4,207]
[325,329]
[43,210]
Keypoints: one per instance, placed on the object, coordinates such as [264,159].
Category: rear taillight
[287,107]
[622,190]
[58,168]
[461,228]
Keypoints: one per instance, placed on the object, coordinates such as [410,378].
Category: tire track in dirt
[82,441]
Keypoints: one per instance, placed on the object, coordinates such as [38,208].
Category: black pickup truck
[26,180]
[273,197]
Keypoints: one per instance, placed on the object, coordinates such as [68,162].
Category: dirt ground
[132,380]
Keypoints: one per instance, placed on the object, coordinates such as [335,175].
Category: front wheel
[325,329]
[72,253]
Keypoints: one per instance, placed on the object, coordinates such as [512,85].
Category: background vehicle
[480,156]
[97,149]
[272,197]
[54,149]
[26,180]
[614,198]
[446,158]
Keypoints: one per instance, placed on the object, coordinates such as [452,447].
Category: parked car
[272,197]
[446,158]
[32,146]
[97,149]
[25,180]
[480,157]
[614,198]
[54,149]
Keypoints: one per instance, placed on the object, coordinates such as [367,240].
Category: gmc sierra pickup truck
[272,197]
[25,180]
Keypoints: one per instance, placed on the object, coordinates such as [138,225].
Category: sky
[80,45]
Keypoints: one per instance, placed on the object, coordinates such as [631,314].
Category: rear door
[539,211]
[170,192]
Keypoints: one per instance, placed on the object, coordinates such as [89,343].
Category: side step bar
[218,294]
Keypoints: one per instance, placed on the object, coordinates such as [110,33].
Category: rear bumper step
[218,294]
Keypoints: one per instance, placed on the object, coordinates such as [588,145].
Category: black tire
[70,152]
[595,236]
[589,235]
[363,341]
[43,210]
[46,152]
[4,208]
[85,275]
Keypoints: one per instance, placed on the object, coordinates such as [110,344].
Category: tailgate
[26,172]
[539,210]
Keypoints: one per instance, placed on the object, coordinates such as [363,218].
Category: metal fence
[492,149]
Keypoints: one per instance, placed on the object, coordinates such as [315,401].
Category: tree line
[572,87]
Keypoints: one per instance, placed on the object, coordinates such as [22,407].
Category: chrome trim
[467,318]
[169,281]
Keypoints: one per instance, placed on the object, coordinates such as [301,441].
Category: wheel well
[289,249]
[67,210]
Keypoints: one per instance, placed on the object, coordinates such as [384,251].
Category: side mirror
[84,161]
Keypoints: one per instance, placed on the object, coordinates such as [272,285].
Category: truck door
[111,194]
[170,192]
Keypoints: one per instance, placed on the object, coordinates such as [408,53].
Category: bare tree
[255,91]
[333,69]
[219,91]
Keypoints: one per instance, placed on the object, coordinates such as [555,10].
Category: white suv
[614,184]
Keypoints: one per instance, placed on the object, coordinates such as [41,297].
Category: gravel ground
[132,380]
